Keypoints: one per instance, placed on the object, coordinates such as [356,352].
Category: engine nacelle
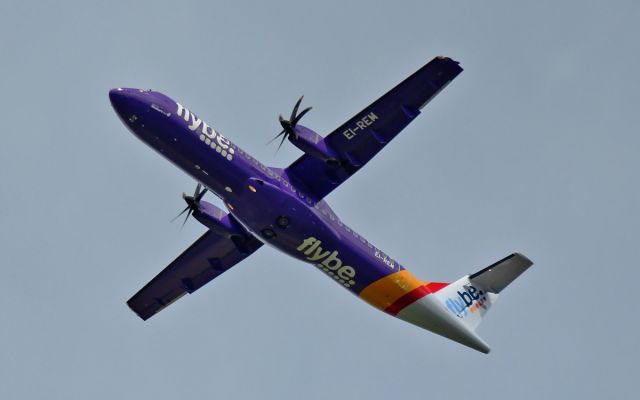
[313,144]
[217,220]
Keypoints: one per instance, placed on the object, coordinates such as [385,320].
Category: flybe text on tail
[470,299]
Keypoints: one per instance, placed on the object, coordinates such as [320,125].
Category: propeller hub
[190,200]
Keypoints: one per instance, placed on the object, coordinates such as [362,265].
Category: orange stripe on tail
[396,291]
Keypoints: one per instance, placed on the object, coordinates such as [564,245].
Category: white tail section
[470,297]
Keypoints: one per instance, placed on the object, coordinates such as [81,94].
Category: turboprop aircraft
[286,208]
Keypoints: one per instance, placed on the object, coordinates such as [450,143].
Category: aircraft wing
[359,139]
[204,260]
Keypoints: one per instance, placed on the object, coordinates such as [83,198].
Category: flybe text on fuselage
[208,135]
[328,261]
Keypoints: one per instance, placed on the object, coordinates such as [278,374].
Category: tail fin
[470,297]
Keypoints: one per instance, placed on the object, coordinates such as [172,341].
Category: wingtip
[524,258]
[443,57]
[142,316]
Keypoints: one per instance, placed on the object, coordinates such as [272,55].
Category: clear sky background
[533,148]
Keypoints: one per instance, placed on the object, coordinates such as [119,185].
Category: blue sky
[533,148]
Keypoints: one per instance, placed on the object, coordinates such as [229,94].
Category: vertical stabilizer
[455,310]
[470,297]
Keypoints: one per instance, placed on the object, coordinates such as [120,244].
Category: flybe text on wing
[208,135]
[469,300]
[328,261]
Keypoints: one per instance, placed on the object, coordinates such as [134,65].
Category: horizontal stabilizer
[497,276]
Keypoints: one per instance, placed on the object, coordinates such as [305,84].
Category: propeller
[193,202]
[289,126]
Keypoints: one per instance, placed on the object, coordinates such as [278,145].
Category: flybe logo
[219,143]
[328,261]
[470,299]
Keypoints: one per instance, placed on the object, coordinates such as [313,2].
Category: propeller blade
[185,220]
[201,195]
[182,212]
[295,109]
[282,141]
[277,136]
[295,121]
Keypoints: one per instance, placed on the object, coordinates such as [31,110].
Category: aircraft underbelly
[311,236]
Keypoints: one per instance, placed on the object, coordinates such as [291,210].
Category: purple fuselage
[256,195]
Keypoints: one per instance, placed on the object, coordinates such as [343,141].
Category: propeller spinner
[289,126]
[193,202]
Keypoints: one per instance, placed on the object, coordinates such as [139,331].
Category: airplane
[285,207]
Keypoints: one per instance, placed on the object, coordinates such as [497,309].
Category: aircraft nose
[127,101]
[118,98]
[115,93]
